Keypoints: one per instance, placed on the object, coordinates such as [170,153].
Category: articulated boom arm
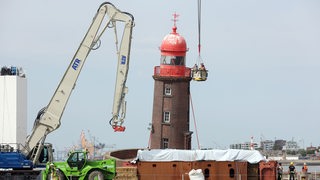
[49,118]
[119,103]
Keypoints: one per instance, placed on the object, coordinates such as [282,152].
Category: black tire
[94,175]
[59,175]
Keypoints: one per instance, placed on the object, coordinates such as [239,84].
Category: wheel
[96,175]
[56,176]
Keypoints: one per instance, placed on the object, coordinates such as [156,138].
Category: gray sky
[262,56]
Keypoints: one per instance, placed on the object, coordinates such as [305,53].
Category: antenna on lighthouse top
[175,19]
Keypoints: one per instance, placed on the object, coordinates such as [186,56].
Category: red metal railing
[172,71]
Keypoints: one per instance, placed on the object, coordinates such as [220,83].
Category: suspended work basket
[199,73]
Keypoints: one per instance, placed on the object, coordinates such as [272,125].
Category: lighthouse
[170,115]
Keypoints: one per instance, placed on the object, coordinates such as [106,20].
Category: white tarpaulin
[165,155]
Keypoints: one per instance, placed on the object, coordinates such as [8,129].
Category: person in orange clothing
[304,168]
[304,173]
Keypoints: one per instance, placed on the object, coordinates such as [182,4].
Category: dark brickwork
[177,104]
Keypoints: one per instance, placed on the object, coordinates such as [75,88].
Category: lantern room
[173,56]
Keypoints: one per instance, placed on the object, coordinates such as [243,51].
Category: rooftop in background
[12,71]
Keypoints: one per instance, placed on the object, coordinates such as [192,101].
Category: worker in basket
[199,74]
[202,68]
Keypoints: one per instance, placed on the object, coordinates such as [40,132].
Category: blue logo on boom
[76,64]
[123,59]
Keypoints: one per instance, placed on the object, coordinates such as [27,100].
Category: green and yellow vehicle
[79,167]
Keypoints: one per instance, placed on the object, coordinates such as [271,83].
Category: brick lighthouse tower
[170,118]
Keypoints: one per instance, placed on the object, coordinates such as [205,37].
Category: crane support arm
[119,103]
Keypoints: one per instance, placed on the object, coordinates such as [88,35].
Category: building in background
[291,146]
[267,145]
[245,145]
[13,105]
[279,144]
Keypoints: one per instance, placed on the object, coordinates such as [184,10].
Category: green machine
[78,166]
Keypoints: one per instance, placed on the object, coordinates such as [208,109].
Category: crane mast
[49,118]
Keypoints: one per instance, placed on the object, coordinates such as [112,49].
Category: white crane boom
[49,118]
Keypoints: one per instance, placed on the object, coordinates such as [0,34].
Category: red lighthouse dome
[173,56]
[173,44]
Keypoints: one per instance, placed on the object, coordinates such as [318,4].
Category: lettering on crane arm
[123,59]
[76,63]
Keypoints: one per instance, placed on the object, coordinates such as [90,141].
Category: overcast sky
[263,60]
